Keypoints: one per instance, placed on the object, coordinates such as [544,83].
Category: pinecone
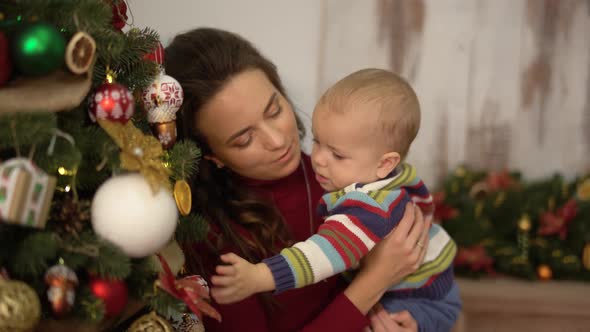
[70,216]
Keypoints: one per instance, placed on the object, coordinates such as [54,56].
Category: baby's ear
[387,164]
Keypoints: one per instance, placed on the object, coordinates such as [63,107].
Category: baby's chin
[327,187]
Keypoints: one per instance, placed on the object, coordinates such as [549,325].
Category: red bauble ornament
[119,14]
[156,55]
[112,292]
[113,102]
[5,63]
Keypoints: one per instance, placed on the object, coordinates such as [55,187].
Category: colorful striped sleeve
[419,193]
[340,243]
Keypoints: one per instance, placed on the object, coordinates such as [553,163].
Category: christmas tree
[504,225]
[94,194]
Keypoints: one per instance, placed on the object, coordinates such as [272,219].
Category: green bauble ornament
[38,49]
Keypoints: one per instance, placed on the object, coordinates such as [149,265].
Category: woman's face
[251,128]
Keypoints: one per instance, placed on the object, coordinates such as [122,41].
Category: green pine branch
[23,132]
[88,306]
[191,229]
[111,262]
[166,305]
[141,280]
[34,255]
[184,160]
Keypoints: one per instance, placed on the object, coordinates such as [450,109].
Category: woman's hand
[401,252]
[382,321]
[398,255]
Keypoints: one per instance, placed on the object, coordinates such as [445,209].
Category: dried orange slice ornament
[80,52]
[183,197]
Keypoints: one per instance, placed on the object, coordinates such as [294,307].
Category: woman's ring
[420,244]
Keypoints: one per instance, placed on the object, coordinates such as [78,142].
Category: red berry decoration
[112,102]
[112,292]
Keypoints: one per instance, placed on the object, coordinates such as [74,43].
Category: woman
[257,190]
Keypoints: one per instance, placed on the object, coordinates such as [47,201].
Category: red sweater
[318,307]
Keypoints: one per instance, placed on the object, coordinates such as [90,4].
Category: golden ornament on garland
[586,256]
[139,152]
[460,171]
[151,323]
[524,224]
[544,272]
[583,191]
[183,197]
[20,308]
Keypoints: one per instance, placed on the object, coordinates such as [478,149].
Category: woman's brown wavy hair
[203,61]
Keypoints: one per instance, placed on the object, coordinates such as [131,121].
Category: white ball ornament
[128,214]
[162,99]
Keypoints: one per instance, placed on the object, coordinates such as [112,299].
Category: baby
[363,127]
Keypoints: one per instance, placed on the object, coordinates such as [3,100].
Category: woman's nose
[274,138]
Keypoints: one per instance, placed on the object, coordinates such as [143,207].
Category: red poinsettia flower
[442,211]
[191,290]
[476,258]
[500,180]
[557,222]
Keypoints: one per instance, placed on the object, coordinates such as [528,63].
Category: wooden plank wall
[502,83]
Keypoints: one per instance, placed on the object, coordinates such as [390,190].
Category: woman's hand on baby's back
[402,251]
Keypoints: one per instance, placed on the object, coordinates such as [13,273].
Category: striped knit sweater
[357,217]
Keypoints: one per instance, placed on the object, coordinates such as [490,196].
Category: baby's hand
[238,280]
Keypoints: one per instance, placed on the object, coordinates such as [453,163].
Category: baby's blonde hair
[383,91]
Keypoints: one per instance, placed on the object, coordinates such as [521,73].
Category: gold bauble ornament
[524,224]
[583,191]
[183,197]
[151,323]
[544,272]
[586,256]
[20,308]
[165,132]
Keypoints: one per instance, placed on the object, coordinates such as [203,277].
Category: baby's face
[346,147]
